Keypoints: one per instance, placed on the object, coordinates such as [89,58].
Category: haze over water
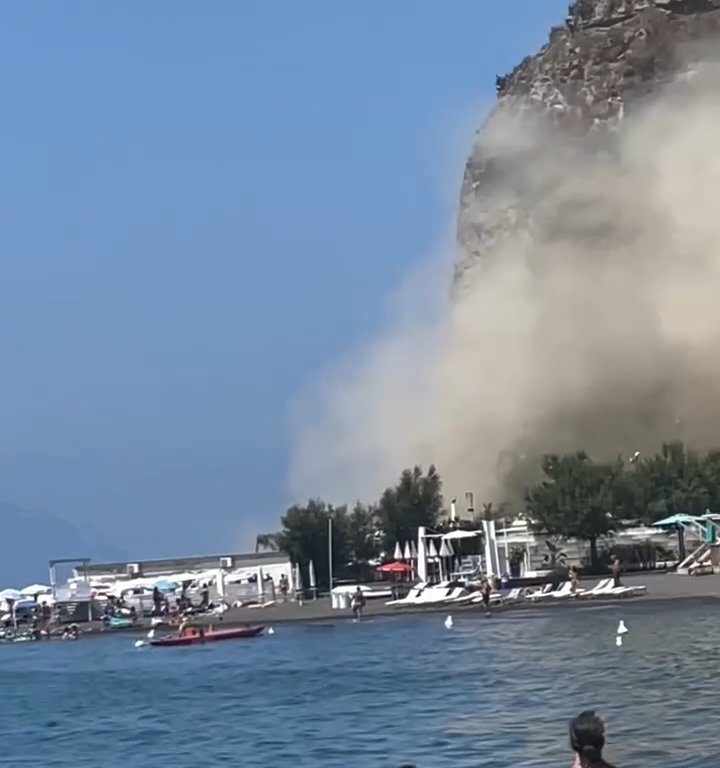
[492,692]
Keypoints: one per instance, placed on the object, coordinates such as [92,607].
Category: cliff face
[599,67]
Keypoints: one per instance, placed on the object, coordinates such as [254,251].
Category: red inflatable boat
[197,635]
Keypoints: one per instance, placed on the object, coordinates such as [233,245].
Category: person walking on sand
[573,575]
[485,590]
[587,739]
[357,604]
[616,568]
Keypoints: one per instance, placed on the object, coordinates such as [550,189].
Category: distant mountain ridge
[31,539]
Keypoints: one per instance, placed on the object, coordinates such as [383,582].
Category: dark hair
[587,736]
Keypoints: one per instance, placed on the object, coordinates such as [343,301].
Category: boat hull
[196,638]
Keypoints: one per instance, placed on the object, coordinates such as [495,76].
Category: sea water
[383,692]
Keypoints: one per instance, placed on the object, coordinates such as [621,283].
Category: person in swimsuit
[485,591]
[587,739]
[358,603]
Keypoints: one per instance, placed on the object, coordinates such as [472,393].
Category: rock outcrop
[599,66]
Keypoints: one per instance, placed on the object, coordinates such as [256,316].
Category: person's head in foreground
[587,739]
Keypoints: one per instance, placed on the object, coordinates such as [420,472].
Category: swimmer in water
[587,739]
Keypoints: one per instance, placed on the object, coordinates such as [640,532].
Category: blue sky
[202,204]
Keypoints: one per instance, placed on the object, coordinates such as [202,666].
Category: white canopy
[11,594]
[460,535]
[36,589]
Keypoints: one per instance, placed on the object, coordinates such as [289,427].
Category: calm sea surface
[489,692]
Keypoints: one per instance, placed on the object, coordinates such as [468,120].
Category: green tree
[416,500]
[363,535]
[578,499]
[305,536]
[674,481]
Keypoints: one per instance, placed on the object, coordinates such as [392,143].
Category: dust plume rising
[591,322]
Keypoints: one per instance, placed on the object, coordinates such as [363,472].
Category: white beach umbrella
[407,553]
[413,550]
[311,575]
[398,554]
[298,578]
[36,589]
[432,549]
[260,583]
[453,535]
[11,594]
[445,549]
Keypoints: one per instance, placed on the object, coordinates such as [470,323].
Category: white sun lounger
[566,591]
[598,589]
[611,591]
[411,596]
[545,592]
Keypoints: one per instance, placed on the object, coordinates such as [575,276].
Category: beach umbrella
[413,550]
[398,551]
[394,567]
[260,583]
[36,589]
[445,549]
[164,585]
[298,578]
[11,594]
[432,548]
[454,535]
[407,553]
[311,575]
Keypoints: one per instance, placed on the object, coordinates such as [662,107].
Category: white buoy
[622,629]
[139,643]
[449,622]
[618,641]
[271,631]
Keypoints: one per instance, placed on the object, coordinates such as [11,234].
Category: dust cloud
[591,322]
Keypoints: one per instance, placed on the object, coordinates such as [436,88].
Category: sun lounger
[598,589]
[611,591]
[566,591]
[543,593]
[411,596]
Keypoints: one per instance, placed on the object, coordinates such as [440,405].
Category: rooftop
[179,564]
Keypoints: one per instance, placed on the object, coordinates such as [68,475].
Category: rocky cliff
[599,66]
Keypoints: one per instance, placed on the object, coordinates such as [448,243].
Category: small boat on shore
[197,635]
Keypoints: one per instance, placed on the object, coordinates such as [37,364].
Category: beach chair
[411,596]
[543,593]
[565,592]
[611,591]
[598,589]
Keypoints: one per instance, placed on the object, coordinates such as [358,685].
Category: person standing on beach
[358,603]
[485,590]
[573,576]
[616,568]
[587,739]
